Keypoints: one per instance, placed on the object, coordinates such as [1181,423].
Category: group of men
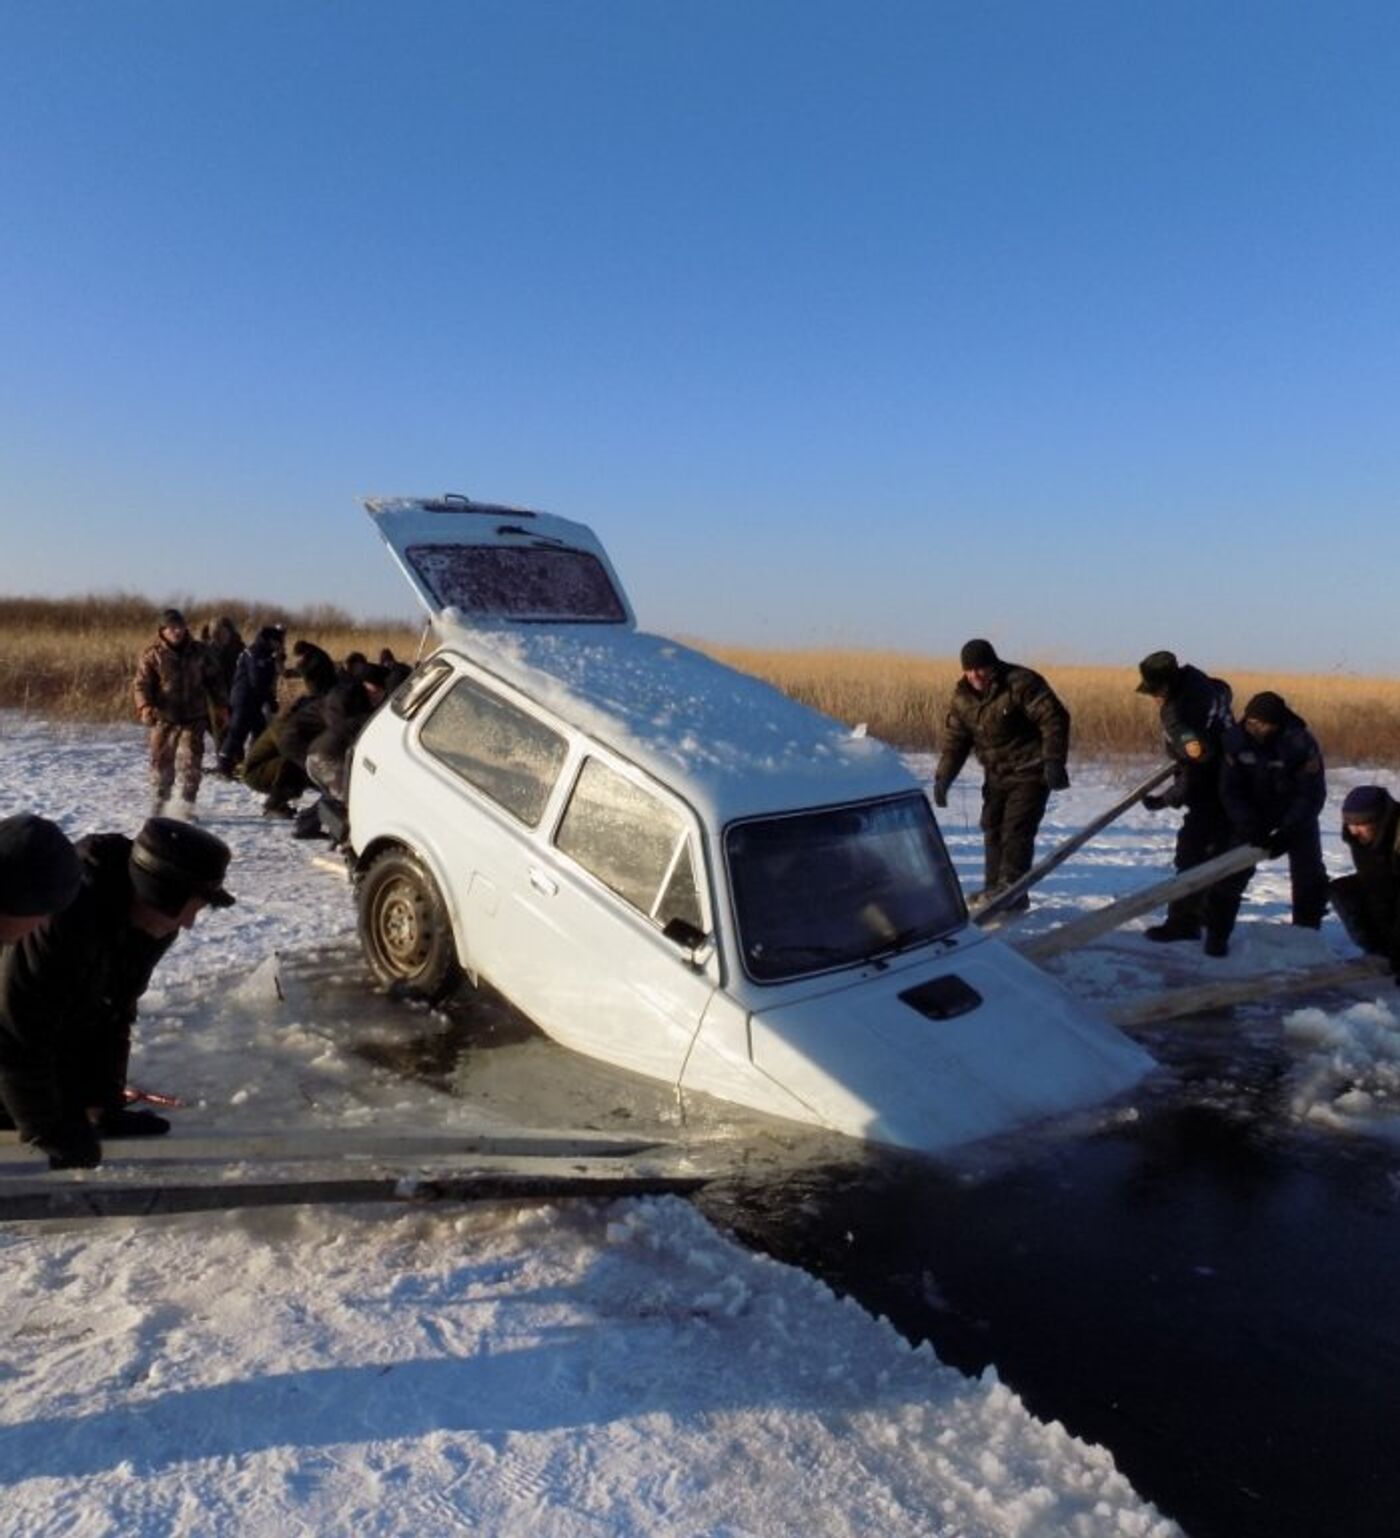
[82,925]
[185,687]
[1258,781]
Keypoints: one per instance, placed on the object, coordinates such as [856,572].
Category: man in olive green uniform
[1014,722]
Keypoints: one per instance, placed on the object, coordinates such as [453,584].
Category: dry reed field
[75,658]
[904,698]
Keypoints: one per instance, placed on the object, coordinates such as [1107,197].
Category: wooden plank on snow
[1089,926]
[1197,999]
[85,1194]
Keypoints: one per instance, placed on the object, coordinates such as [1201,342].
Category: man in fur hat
[70,988]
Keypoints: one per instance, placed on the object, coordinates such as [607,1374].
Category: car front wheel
[405,932]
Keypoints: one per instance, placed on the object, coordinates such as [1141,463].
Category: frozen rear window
[531,582]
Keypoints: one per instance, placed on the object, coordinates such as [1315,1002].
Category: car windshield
[819,890]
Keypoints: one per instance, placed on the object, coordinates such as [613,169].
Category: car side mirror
[692,941]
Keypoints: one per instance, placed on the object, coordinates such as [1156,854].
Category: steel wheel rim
[400,926]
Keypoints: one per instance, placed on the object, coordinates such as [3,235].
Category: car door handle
[543,883]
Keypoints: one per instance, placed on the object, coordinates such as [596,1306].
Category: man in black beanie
[1012,720]
[1273,786]
[39,874]
[69,990]
[1194,710]
[1368,903]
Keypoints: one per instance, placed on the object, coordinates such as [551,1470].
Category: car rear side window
[633,842]
[501,750]
[419,687]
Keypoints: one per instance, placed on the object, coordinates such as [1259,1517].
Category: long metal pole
[1009,895]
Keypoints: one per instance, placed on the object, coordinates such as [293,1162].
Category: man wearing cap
[39,874]
[69,990]
[1195,711]
[1274,786]
[1012,719]
[253,697]
[176,689]
[1368,903]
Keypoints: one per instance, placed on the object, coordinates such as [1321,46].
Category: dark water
[1209,1290]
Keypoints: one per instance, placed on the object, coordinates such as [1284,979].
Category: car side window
[633,842]
[419,687]
[501,750]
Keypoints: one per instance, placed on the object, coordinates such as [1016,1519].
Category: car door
[603,976]
[492,769]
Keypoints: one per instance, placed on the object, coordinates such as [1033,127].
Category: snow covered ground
[571,1369]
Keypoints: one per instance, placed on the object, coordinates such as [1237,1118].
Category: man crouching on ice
[69,989]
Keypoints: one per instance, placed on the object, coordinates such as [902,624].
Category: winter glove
[124,1123]
[1276,844]
[940,793]
[1155,803]
[1055,776]
[73,1151]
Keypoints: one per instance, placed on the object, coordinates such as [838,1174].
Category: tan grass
[904,699]
[74,658]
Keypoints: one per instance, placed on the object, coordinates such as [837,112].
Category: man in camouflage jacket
[177,690]
[1014,722]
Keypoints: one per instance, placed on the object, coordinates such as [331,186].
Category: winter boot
[277,806]
[1216,945]
[307,823]
[124,1123]
[1172,929]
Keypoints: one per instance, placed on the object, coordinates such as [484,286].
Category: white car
[672,867]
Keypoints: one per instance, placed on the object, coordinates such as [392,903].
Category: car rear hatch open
[484,563]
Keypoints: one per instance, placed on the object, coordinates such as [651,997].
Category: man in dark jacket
[177,692]
[69,990]
[1274,786]
[313,665]
[226,647]
[1195,711]
[347,707]
[276,763]
[39,874]
[1011,718]
[253,698]
[1368,903]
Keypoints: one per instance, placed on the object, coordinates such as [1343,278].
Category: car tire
[405,933]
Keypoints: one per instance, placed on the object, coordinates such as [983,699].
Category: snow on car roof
[731,744]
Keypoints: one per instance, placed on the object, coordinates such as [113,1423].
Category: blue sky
[1074,325]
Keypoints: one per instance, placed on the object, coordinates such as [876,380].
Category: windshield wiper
[761,952]
[915,934]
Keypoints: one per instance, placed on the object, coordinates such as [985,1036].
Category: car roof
[730,744]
